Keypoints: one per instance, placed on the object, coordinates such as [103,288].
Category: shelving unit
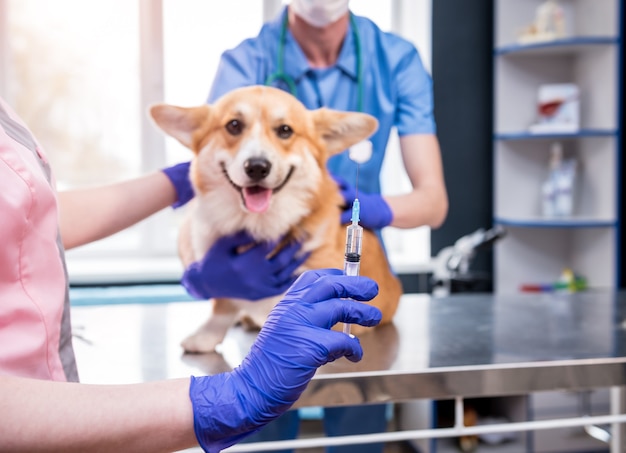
[537,249]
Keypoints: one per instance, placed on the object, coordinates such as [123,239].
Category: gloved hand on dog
[251,275]
[179,177]
[295,340]
[375,212]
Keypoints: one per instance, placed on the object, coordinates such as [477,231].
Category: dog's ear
[341,130]
[182,123]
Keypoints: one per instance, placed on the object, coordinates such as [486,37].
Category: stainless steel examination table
[453,348]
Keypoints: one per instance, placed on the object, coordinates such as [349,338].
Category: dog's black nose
[257,168]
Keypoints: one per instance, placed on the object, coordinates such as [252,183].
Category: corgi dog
[292,196]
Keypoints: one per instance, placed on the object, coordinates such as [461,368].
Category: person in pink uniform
[35,339]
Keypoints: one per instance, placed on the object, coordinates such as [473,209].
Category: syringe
[354,237]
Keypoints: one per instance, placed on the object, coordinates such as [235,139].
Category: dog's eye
[234,127]
[284,131]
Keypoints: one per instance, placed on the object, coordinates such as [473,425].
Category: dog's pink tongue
[257,199]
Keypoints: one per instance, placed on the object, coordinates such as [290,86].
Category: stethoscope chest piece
[360,152]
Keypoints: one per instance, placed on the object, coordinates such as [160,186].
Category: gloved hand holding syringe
[359,153]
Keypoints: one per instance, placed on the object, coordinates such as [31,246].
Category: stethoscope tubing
[280,76]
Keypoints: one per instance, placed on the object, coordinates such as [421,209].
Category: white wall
[409,250]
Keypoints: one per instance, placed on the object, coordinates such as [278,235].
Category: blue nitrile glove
[375,212]
[251,275]
[295,340]
[179,176]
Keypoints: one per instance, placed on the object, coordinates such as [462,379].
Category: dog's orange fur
[307,208]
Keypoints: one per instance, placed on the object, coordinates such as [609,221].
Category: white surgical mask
[319,13]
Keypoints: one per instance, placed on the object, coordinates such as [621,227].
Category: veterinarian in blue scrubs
[41,411]
[328,57]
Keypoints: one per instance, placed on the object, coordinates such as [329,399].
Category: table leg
[618,430]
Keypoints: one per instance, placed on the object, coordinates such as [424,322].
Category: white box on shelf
[558,109]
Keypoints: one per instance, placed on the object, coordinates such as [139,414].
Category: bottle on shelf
[557,191]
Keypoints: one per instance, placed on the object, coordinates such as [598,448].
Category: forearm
[423,206]
[90,214]
[427,203]
[41,416]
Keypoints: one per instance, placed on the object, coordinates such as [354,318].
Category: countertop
[462,345]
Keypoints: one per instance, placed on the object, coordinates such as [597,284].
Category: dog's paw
[249,324]
[200,343]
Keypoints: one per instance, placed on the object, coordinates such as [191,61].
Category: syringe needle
[356,185]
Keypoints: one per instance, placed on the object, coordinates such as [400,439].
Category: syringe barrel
[354,238]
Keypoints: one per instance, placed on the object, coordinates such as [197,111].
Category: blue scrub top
[397,90]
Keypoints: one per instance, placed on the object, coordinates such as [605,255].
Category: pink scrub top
[35,331]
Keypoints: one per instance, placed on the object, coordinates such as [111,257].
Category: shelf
[540,254]
[517,81]
[556,223]
[583,133]
[557,46]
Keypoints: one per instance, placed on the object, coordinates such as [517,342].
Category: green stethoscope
[281,76]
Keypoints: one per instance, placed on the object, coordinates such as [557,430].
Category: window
[76,84]
[82,73]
